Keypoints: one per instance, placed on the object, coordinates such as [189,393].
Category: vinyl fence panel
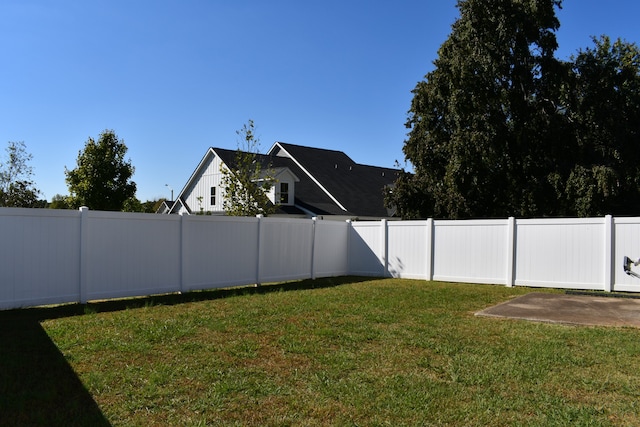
[285,249]
[471,251]
[627,243]
[331,255]
[366,257]
[219,251]
[409,249]
[39,257]
[562,253]
[131,254]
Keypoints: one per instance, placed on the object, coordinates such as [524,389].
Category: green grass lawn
[342,351]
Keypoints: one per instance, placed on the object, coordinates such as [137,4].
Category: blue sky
[173,78]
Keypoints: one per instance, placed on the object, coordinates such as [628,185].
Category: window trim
[284,193]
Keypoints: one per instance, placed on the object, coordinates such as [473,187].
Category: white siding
[288,178]
[211,177]
[198,195]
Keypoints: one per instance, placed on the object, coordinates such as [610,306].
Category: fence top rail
[288,220]
[341,224]
[561,221]
[142,216]
[406,223]
[218,218]
[626,220]
[473,222]
[247,219]
[365,224]
[39,212]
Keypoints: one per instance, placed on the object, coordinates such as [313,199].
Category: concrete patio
[572,309]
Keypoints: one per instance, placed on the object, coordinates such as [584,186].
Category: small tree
[132,204]
[59,202]
[102,177]
[247,181]
[17,188]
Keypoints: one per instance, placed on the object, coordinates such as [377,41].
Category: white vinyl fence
[568,253]
[58,256]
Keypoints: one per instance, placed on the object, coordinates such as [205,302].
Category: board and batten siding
[210,177]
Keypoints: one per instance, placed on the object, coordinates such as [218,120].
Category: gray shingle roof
[358,188]
[329,180]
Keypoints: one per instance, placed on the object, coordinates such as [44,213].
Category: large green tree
[17,188]
[603,105]
[102,177]
[247,181]
[483,124]
[500,127]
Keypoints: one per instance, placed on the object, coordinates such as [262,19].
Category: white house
[309,182]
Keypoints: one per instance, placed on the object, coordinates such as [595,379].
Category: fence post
[348,246]
[84,247]
[313,248]
[385,248]
[608,253]
[182,249]
[511,251]
[259,248]
[429,250]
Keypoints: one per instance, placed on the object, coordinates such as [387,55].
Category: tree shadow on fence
[38,387]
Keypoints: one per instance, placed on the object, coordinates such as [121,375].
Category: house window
[284,193]
[213,196]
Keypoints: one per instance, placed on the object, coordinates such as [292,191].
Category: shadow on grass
[38,387]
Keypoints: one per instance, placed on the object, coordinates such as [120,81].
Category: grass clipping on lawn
[348,352]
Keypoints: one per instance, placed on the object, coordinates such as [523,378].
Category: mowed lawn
[341,351]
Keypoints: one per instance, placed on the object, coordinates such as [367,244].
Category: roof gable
[328,182]
[281,173]
[355,187]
